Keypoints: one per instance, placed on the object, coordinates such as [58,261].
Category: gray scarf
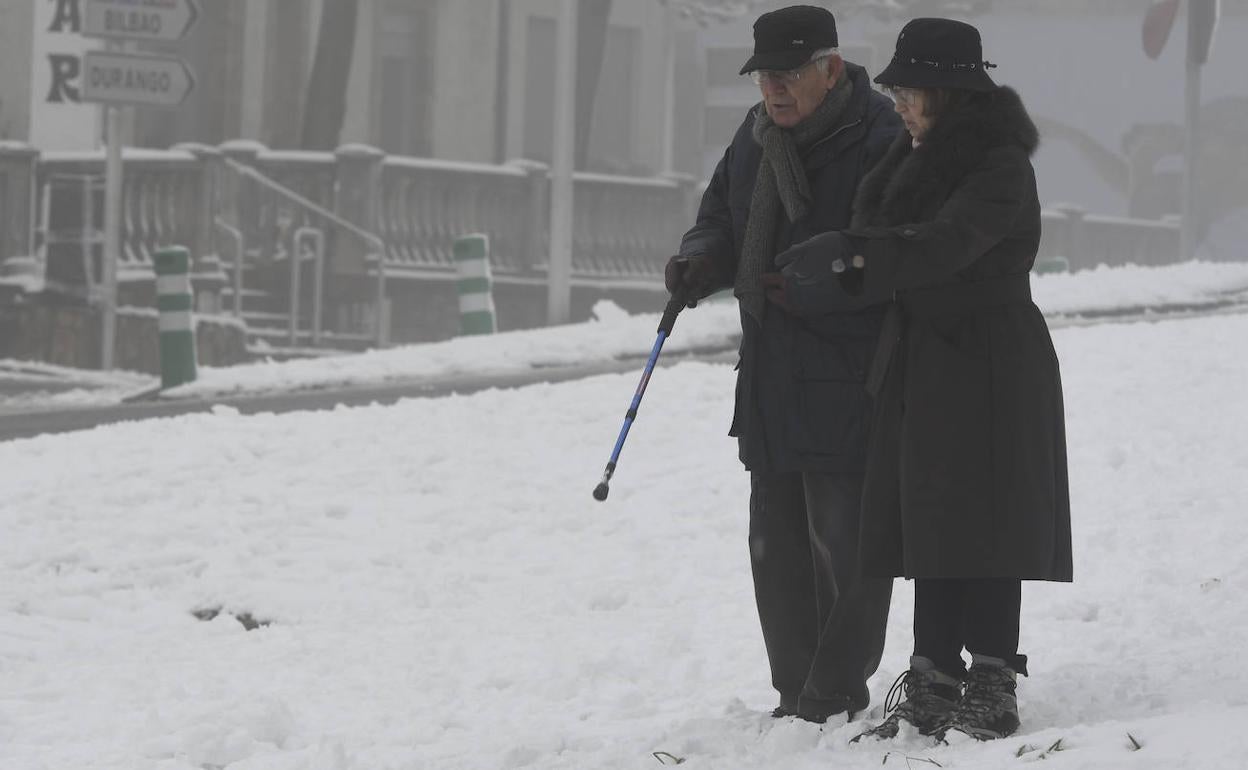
[781,182]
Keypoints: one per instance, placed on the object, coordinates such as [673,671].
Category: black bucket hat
[785,39]
[938,53]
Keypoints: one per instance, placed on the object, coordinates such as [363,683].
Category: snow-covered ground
[30,385]
[442,592]
[614,334]
[611,335]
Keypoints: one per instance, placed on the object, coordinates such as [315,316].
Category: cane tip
[600,492]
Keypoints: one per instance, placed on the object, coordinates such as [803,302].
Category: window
[721,124]
[539,88]
[723,64]
[402,82]
[611,132]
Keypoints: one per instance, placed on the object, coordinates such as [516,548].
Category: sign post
[1202,20]
[559,272]
[116,79]
[112,235]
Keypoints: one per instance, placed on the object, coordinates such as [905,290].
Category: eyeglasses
[781,77]
[902,95]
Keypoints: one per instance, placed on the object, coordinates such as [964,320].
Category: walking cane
[674,306]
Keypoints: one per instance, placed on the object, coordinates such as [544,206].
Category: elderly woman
[966,485]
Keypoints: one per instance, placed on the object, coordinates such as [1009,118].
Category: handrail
[374,241]
[317,238]
[237,277]
[371,238]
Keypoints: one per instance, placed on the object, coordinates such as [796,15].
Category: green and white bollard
[476,299]
[1047,265]
[174,300]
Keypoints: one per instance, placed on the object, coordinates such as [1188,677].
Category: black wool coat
[800,403]
[966,474]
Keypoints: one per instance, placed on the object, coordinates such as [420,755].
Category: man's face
[791,96]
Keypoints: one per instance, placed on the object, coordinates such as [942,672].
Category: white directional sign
[160,20]
[123,78]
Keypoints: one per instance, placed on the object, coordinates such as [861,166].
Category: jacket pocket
[831,410]
[842,358]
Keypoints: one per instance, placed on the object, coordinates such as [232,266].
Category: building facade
[469,80]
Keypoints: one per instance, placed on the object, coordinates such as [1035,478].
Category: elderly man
[801,409]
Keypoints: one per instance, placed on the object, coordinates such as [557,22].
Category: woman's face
[910,104]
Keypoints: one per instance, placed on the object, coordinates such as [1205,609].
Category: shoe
[787,707]
[989,707]
[930,697]
[817,712]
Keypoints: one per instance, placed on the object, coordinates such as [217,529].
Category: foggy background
[473,80]
[458,101]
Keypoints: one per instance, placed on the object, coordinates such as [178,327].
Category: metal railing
[375,251]
[316,239]
[236,273]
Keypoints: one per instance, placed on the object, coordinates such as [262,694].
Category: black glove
[815,260]
[690,278]
[813,272]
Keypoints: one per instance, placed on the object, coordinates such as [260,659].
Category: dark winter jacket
[800,403]
[966,472]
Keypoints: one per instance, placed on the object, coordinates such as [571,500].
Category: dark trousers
[980,615]
[823,624]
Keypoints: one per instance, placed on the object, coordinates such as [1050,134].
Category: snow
[127,153]
[442,592]
[614,334]
[31,386]
[298,156]
[1105,289]
[460,166]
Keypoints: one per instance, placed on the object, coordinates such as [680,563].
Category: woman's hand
[816,259]
[811,273]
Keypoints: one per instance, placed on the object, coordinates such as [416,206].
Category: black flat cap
[784,39]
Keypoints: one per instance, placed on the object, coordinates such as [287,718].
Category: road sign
[131,79]
[151,20]
[1158,21]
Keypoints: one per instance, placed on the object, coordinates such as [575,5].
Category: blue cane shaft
[641,390]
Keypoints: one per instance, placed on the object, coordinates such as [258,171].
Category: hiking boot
[930,698]
[989,707]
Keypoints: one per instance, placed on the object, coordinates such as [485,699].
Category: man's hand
[773,286]
[690,278]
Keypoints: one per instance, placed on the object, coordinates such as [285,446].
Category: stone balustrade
[624,228]
[1087,240]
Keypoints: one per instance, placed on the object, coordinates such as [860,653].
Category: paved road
[27,424]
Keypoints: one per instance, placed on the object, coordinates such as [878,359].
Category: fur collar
[909,181]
